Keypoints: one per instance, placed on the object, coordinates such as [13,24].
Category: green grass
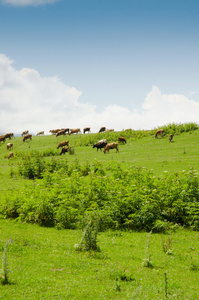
[45,265]
[44,262]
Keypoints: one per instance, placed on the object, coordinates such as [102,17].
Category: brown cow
[61,132]
[24,132]
[121,139]
[54,131]
[111,146]
[86,129]
[110,130]
[11,154]
[9,135]
[75,130]
[171,138]
[62,144]
[159,132]
[102,129]
[2,138]
[9,146]
[27,136]
[40,132]
[64,150]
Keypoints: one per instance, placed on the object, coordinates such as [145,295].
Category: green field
[141,206]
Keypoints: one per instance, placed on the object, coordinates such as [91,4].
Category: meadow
[106,226]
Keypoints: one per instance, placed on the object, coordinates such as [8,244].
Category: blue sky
[113,63]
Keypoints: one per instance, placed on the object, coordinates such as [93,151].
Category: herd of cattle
[101,144]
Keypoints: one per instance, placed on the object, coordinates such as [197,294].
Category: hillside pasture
[144,198]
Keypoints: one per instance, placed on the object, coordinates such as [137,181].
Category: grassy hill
[130,219]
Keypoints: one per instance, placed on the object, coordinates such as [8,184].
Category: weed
[4,271]
[166,285]
[147,260]
[166,245]
[89,238]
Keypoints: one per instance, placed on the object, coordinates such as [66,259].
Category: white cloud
[29,101]
[28,2]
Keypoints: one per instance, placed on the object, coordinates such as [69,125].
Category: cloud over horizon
[28,2]
[29,101]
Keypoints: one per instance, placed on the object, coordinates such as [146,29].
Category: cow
[2,138]
[129,129]
[11,154]
[64,150]
[111,146]
[171,138]
[24,132]
[54,131]
[62,144]
[102,129]
[66,130]
[27,136]
[61,132]
[159,132]
[121,139]
[9,135]
[101,144]
[75,130]
[86,129]
[9,146]
[40,132]
[110,130]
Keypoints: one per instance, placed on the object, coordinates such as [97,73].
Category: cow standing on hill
[9,146]
[64,150]
[75,130]
[62,144]
[101,144]
[159,132]
[86,129]
[111,146]
[26,137]
[40,133]
[24,132]
[102,129]
[54,131]
[121,139]
[171,138]
[11,154]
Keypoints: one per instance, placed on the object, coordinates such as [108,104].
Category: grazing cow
[61,132]
[9,135]
[171,138]
[2,138]
[86,129]
[66,130]
[101,144]
[64,150]
[62,144]
[27,136]
[11,154]
[75,130]
[111,146]
[159,132]
[54,131]
[129,129]
[9,146]
[24,132]
[40,132]
[121,139]
[102,129]
[109,129]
